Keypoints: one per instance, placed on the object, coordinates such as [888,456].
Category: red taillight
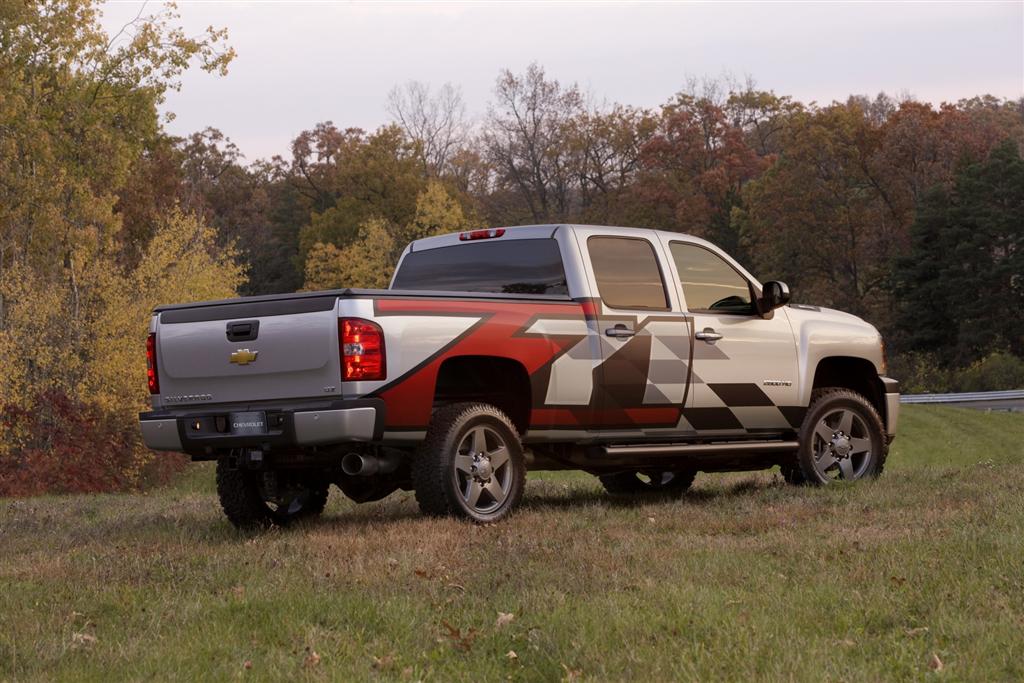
[362,350]
[152,378]
[481,234]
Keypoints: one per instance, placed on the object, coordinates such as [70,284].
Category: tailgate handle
[243,330]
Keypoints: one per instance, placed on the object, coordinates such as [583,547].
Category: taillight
[152,378]
[362,350]
[481,234]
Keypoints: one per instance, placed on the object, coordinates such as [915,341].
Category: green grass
[744,579]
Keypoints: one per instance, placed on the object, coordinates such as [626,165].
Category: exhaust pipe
[356,465]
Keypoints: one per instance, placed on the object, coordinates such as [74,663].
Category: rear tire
[470,465]
[243,496]
[674,483]
[842,438]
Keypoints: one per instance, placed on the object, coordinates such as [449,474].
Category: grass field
[918,575]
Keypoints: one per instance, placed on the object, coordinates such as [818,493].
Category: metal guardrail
[968,397]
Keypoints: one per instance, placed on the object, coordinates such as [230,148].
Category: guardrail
[968,397]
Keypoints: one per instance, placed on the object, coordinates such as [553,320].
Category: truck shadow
[747,488]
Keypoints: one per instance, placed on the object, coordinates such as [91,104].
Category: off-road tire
[829,399]
[630,483]
[243,504]
[434,474]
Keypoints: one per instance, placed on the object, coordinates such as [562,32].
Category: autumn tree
[369,260]
[694,170]
[434,120]
[527,138]
[79,115]
[348,177]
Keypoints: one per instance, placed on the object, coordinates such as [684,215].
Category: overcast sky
[303,62]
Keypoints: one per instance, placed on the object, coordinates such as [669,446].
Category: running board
[701,449]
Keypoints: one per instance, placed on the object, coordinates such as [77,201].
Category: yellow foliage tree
[437,213]
[366,263]
[83,335]
[370,259]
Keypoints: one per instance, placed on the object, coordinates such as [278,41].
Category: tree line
[906,213]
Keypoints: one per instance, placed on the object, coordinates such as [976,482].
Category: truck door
[640,386]
[745,366]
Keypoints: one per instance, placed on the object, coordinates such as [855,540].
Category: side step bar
[701,449]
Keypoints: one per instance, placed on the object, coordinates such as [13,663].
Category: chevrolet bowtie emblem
[244,356]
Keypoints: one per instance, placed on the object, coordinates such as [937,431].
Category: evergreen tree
[962,286]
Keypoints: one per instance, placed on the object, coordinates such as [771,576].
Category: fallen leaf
[504,619]
[82,640]
[572,675]
[650,519]
[935,664]
[511,654]
[247,664]
[383,663]
[422,573]
[460,641]
[312,659]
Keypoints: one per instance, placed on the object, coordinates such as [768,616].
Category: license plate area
[242,424]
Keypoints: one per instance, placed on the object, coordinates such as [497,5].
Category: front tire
[258,499]
[841,438]
[470,465]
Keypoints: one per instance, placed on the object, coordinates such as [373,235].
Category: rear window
[508,267]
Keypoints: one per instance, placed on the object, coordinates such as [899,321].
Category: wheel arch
[853,373]
[498,380]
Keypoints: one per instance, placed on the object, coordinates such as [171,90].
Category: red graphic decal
[499,334]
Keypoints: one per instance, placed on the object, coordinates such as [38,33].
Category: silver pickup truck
[639,356]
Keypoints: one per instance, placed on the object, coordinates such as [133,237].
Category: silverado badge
[244,356]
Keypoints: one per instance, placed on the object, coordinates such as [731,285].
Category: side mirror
[773,295]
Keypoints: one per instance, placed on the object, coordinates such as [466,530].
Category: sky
[300,63]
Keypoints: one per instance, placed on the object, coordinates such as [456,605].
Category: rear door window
[627,273]
[524,266]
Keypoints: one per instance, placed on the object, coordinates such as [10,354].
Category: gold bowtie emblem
[244,356]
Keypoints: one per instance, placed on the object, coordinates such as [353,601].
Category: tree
[78,109]
[694,170]
[369,260]
[962,285]
[435,121]
[349,177]
[527,137]
[78,118]
[365,263]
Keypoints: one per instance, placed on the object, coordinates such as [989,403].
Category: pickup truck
[639,356]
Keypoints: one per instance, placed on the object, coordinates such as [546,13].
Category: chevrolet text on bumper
[640,356]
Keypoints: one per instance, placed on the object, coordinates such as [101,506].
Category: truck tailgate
[294,355]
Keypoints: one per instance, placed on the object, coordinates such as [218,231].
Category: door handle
[708,335]
[620,331]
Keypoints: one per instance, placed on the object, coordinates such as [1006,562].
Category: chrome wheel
[483,472]
[842,445]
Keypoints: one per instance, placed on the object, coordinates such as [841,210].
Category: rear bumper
[204,430]
[892,405]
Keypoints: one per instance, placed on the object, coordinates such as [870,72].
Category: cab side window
[627,273]
[709,283]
